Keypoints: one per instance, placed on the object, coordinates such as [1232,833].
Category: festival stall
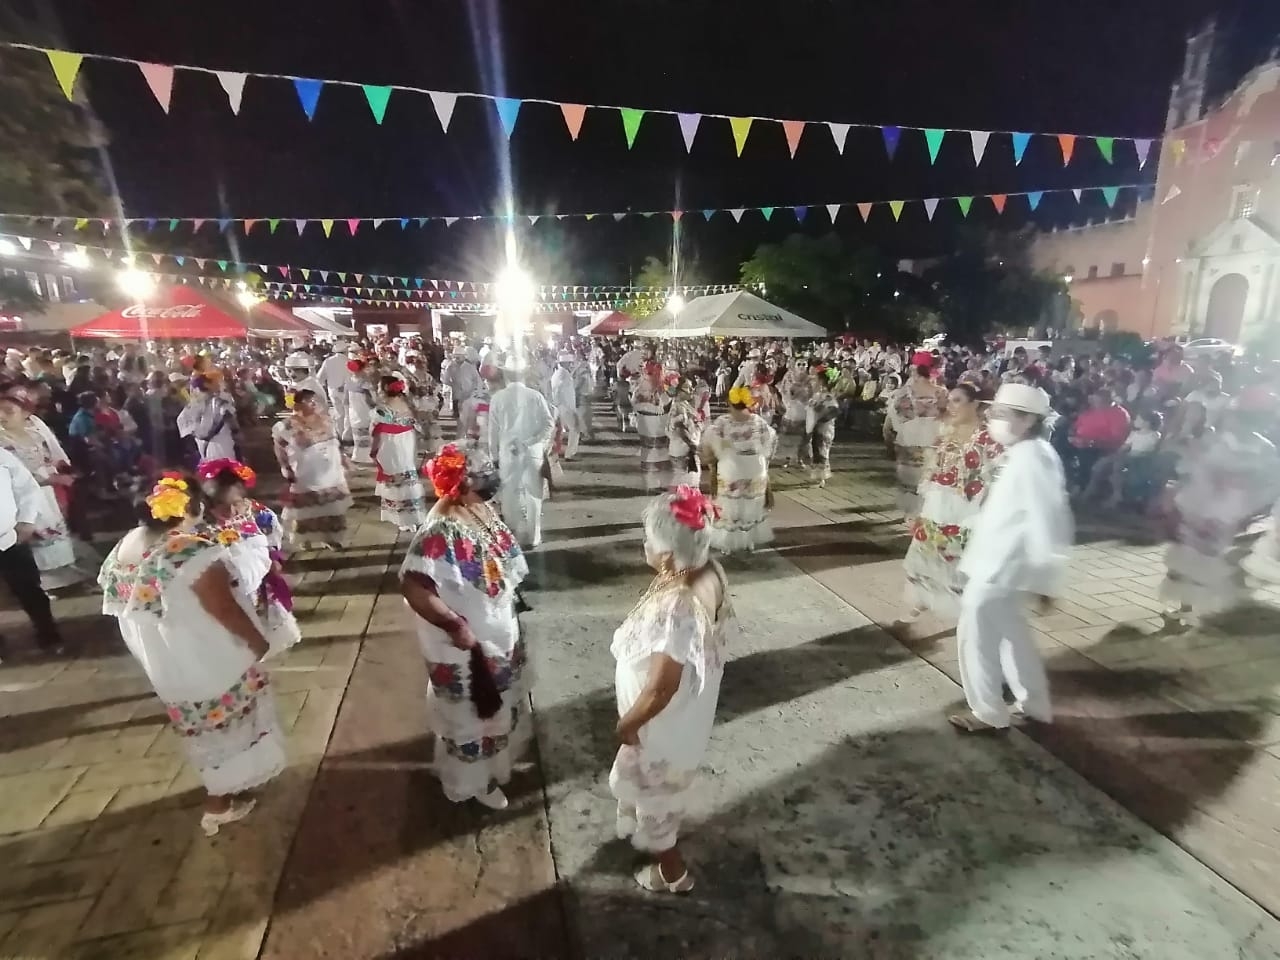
[180,312]
[737,314]
[610,324]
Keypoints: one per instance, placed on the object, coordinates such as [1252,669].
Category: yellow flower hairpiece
[227,536]
[169,499]
[289,400]
[742,395]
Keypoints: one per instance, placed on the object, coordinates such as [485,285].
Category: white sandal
[495,799]
[210,823]
[650,878]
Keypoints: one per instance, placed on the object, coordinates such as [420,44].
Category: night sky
[1093,66]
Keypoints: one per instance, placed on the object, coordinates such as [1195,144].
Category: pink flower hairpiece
[211,468]
[691,507]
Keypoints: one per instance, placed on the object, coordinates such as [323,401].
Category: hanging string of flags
[159,78]
[964,203]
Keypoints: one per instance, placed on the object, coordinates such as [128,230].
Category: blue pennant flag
[308,95]
[508,110]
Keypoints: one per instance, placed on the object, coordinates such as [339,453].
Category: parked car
[1209,348]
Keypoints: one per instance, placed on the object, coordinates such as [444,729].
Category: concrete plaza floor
[838,815]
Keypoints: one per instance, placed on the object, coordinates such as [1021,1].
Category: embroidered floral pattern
[140,586]
[480,560]
[470,751]
[219,713]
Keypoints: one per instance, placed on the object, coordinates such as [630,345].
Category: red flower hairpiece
[355,366]
[691,507]
[211,468]
[395,387]
[446,470]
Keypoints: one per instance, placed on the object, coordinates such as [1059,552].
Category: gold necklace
[657,585]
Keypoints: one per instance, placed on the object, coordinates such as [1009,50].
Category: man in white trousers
[520,427]
[335,375]
[1017,552]
[564,403]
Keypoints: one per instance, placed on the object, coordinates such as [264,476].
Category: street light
[675,304]
[1067,278]
[515,292]
[7,248]
[247,299]
[136,283]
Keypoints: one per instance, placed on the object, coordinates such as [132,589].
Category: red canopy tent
[608,325]
[180,312]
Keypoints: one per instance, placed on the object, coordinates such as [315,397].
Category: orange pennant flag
[573,114]
[1067,141]
[793,129]
[865,210]
[998,201]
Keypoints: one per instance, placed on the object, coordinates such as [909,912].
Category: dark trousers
[19,571]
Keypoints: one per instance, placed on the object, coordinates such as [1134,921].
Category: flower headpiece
[211,468]
[692,508]
[446,470]
[169,498]
[652,369]
[742,395]
[355,366]
[395,387]
[289,400]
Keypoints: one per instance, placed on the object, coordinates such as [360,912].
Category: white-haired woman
[670,659]
[459,580]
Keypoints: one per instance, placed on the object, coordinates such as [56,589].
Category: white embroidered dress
[404,501]
[742,450]
[652,781]
[254,535]
[217,693]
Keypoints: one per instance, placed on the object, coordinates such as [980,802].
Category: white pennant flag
[618,216]
[1174,192]
[689,128]
[378,223]
[561,216]
[833,210]
[737,213]
[26,242]
[838,133]
[533,218]
[301,225]
[449,222]
[930,206]
[979,138]
[444,104]
[233,84]
[1079,193]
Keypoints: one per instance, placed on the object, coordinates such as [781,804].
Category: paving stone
[29,797]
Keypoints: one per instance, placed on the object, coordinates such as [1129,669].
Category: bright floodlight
[136,283]
[7,248]
[247,298]
[675,304]
[76,258]
[515,289]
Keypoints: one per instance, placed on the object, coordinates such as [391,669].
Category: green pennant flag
[328,226]
[173,225]
[273,224]
[342,277]
[65,67]
[934,139]
[896,206]
[631,118]
[1111,194]
[222,265]
[965,203]
[377,97]
[1106,147]
[767,211]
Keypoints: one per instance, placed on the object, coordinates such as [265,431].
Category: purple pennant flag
[800,213]
[891,137]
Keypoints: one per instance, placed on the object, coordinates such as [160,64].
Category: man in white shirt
[1210,396]
[335,376]
[520,427]
[463,378]
[20,503]
[564,402]
[1018,549]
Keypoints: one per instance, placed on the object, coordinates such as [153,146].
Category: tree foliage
[820,278]
[657,273]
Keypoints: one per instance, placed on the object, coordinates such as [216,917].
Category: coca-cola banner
[183,313]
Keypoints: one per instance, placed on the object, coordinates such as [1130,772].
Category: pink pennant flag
[233,85]
[792,130]
[359,278]
[248,225]
[196,225]
[573,114]
[158,258]
[978,140]
[159,78]
[444,104]
[284,271]
[839,131]
[865,210]
[200,262]
[676,215]
[352,224]
[689,128]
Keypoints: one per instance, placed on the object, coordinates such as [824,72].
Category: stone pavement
[838,816]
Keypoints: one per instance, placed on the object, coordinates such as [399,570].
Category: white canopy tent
[736,314]
[322,320]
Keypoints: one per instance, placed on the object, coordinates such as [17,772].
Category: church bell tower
[1186,99]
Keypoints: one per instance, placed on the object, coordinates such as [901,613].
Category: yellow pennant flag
[65,67]
[328,226]
[741,126]
[896,207]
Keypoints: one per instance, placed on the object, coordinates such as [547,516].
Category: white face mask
[1002,432]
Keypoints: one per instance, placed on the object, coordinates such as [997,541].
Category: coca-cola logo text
[140,311]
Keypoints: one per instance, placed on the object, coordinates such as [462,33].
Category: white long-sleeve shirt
[334,374]
[20,498]
[1021,539]
[518,417]
[563,396]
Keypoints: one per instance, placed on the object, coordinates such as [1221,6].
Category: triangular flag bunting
[1078,194]
[930,206]
[933,139]
[223,224]
[450,221]
[688,128]
[1067,144]
[378,98]
[676,215]
[300,225]
[978,140]
[308,94]
[26,242]
[767,212]
[896,206]
[196,225]
[222,265]
[891,137]
[1110,194]
[306,273]
[157,258]
[964,203]
[180,260]
[444,104]
[273,224]
[800,213]
[173,225]
[1034,198]
[328,226]
[404,223]
[865,210]
[352,224]
[508,110]
[573,114]
[708,214]
[422,221]
[65,67]
[1143,148]
[998,201]
[1174,191]
[631,118]
[248,225]
[284,271]
[741,126]
[233,86]
[833,211]
[839,131]
[617,217]
[792,129]
[737,214]
[1020,141]
[1106,147]
[159,78]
